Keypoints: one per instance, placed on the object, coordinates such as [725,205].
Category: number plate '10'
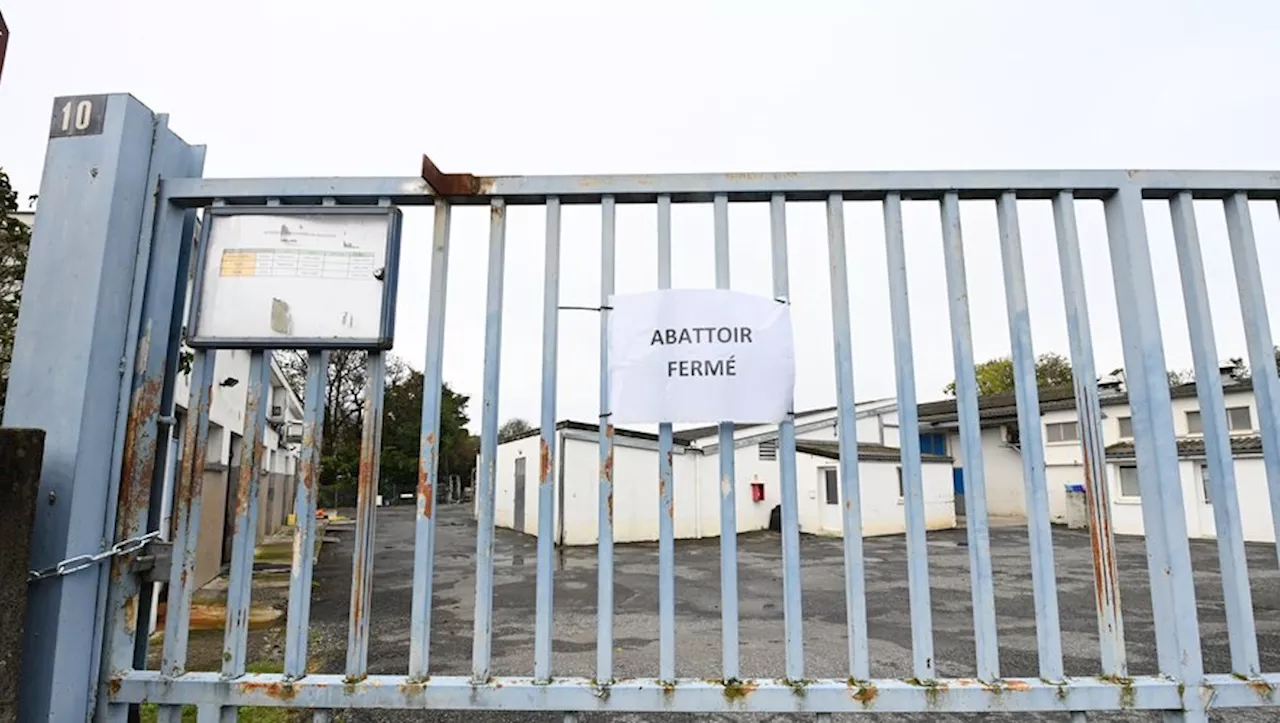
[78,115]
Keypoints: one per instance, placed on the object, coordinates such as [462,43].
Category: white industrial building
[696,473]
[1064,458]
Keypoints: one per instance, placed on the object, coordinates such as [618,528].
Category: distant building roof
[588,427]
[1000,408]
[695,433]
[1192,447]
[829,450]
[866,451]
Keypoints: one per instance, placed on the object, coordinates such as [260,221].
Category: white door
[829,491]
[1203,501]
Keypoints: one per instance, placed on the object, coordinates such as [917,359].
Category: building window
[1129,482]
[1126,427]
[901,494]
[1193,423]
[1204,482]
[769,450]
[833,485]
[1239,419]
[1062,432]
[933,443]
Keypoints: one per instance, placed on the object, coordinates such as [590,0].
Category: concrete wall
[696,505]
[1002,468]
[213,501]
[1064,461]
[882,509]
[1251,490]
[635,492]
[226,416]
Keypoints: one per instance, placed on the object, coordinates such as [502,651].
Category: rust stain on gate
[426,463]
[544,462]
[1105,587]
[454,184]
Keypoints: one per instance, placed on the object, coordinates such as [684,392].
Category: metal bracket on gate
[154,561]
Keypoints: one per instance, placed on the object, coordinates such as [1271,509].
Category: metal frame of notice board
[390,274]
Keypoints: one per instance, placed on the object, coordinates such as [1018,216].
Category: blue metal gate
[1182,689]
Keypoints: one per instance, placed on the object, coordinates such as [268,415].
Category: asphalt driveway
[760,584]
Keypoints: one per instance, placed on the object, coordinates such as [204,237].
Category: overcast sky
[300,88]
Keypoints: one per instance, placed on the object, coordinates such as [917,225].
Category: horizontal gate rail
[702,188]
[654,696]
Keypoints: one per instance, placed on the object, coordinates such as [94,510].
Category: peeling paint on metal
[279,691]
[862,691]
[544,462]
[427,463]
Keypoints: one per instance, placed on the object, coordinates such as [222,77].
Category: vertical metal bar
[792,612]
[604,547]
[424,533]
[195,446]
[1236,596]
[481,649]
[240,585]
[666,494]
[728,493]
[909,440]
[545,590]
[851,505]
[195,443]
[975,492]
[1106,581]
[1164,521]
[306,498]
[366,517]
[208,713]
[1040,536]
[1257,334]
[173,353]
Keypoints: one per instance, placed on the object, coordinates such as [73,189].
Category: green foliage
[513,428]
[996,376]
[401,427]
[15,242]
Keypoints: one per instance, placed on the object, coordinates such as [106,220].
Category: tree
[15,242]
[513,428]
[1178,377]
[401,425]
[995,376]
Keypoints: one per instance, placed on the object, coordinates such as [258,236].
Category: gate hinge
[155,561]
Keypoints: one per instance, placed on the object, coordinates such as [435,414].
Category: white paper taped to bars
[699,355]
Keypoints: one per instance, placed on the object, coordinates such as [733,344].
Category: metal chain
[81,562]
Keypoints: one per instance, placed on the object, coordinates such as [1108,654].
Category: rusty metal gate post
[91,304]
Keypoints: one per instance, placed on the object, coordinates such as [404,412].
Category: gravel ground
[698,614]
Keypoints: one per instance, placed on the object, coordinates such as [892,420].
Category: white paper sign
[699,355]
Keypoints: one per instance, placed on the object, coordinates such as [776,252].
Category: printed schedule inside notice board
[256,262]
